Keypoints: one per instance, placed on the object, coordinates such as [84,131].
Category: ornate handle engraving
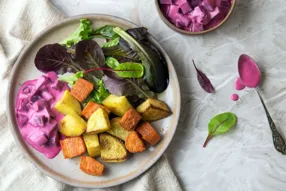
[278,140]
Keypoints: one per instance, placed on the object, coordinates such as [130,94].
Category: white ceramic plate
[68,171]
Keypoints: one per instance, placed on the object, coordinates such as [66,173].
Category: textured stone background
[244,158]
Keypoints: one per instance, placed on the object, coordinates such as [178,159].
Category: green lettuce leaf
[71,78]
[83,32]
[98,94]
[111,43]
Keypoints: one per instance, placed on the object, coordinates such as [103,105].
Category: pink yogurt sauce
[36,117]
[234,97]
[249,72]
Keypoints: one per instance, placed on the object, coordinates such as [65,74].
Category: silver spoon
[250,75]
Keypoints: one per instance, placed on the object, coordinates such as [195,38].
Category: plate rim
[17,135]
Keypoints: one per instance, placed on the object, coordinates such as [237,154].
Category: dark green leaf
[129,70]
[99,94]
[127,87]
[111,62]
[156,72]
[220,124]
[120,53]
[71,78]
[105,32]
[83,32]
[111,43]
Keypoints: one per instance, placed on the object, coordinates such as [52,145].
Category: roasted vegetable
[72,147]
[112,149]
[148,133]
[92,107]
[68,104]
[72,125]
[81,89]
[116,129]
[153,109]
[134,143]
[91,166]
[92,144]
[98,122]
[117,104]
[130,119]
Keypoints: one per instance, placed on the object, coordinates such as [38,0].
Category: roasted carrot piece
[134,143]
[81,89]
[92,107]
[130,119]
[72,147]
[91,166]
[148,133]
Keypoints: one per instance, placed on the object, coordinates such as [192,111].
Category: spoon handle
[278,140]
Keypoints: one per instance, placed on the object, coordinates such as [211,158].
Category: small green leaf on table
[220,124]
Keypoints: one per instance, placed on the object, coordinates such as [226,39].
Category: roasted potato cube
[92,144]
[153,109]
[130,119]
[68,104]
[134,143]
[148,133]
[72,125]
[81,89]
[116,129]
[98,122]
[91,166]
[112,149]
[72,147]
[117,104]
[92,107]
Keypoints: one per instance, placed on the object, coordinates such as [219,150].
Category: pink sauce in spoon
[249,72]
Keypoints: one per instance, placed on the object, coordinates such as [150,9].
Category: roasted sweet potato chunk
[92,107]
[91,166]
[72,147]
[134,143]
[81,89]
[130,119]
[148,133]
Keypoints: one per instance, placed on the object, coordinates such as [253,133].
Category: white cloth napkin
[21,20]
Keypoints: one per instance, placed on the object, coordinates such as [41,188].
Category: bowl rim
[172,26]
[18,138]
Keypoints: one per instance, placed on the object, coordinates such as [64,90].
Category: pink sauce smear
[36,117]
[234,97]
[239,84]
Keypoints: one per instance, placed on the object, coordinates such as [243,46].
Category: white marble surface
[244,158]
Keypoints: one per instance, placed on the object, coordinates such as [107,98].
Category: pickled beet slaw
[36,117]
[195,15]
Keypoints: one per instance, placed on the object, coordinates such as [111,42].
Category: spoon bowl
[249,72]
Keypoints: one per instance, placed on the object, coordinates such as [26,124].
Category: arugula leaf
[220,124]
[156,72]
[99,94]
[111,62]
[71,78]
[105,32]
[111,43]
[83,32]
